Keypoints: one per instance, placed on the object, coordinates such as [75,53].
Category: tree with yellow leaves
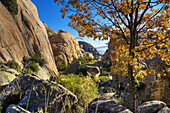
[136,26]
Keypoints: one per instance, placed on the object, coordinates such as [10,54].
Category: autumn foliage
[139,30]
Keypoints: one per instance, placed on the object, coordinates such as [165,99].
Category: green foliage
[84,60]
[107,65]
[28,71]
[83,87]
[139,85]
[1,108]
[81,70]
[105,73]
[13,64]
[38,59]
[49,30]
[1,63]
[96,80]
[104,78]
[61,67]
[34,67]
[11,5]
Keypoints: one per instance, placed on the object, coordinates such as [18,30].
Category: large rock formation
[24,35]
[65,47]
[87,47]
[35,95]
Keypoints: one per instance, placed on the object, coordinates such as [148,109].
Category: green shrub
[33,66]
[104,78]
[27,71]
[84,60]
[83,87]
[13,64]
[11,5]
[38,59]
[61,67]
[107,65]
[81,70]
[1,63]
[49,30]
[105,73]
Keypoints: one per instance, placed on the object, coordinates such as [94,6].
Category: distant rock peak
[87,47]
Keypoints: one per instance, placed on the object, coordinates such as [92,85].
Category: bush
[84,60]
[27,71]
[105,73]
[38,59]
[61,67]
[107,65]
[83,87]
[49,30]
[34,67]
[104,78]
[13,64]
[11,5]
[81,70]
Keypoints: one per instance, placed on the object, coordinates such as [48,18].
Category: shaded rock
[87,47]
[25,35]
[106,106]
[16,109]
[150,107]
[37,93]
[72,68]
[164,110]
[92,70]
[107,89]
[65,47]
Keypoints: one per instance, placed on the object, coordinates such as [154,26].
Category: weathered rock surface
[102,105]
[24,35]
[33,94]
[150,107]
[7,75]
[87,47]
[87,54]
[91,70]
[164,110]
[65,47]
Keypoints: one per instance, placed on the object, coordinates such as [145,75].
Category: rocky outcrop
[24,35]
[164,110]
[90,70]
[7,75]
[102,105]
[150,107]
[34,94]
[87,54]
[65,47]
[87,47]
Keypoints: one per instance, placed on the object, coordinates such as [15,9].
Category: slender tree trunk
[130,73]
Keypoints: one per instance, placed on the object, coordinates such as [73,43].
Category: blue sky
[49,12]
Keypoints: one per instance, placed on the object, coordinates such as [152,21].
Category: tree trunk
[130,73]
